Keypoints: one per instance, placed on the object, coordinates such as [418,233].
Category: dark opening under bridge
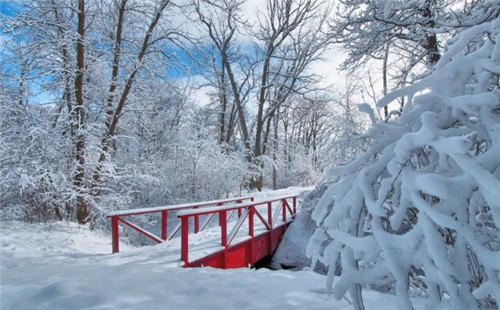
[253,234]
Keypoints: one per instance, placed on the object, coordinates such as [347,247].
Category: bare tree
[82,50]
[82,206]
[369,29]
[288,38]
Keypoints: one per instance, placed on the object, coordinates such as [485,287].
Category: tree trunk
[231,124]
[223,103]
[116,63]
[384,78]
[65,55]
[112,125]
[82,206]
[259,127]
[275,152]
[239,107]
[431,42]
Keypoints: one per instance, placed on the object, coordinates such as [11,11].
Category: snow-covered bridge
[247,230]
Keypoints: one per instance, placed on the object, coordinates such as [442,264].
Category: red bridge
[253,234]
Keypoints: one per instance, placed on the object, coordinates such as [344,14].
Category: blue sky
[12,7]
[328,69]
[9,7]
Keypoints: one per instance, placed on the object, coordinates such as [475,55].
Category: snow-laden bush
[419,212]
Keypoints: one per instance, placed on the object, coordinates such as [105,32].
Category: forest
[115,104]
[120,104]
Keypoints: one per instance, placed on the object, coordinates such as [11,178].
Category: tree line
[99,113]
[98,96]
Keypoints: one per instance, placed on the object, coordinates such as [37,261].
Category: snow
[388,8]
[67,266]
[175,207]
[231,207]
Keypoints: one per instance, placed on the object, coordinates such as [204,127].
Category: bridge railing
[249,210]
[117,217]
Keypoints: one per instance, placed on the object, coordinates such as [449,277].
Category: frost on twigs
[419,213]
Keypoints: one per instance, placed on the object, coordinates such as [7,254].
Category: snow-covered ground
[66,266]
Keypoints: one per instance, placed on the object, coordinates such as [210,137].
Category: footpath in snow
[66,266]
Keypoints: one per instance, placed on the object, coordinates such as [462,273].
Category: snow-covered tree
[366,27]
[96,57]
[403,38]
[287,39]
[419,212]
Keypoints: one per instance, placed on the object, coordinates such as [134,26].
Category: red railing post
[283,207]
[251,212]
[114,234]
[239,210]
[270,214]
[223,235]
[270,220]
[219,204]
[164,225]
[294,200]
[184,240]
[251,255]
[196,222]
[223,227]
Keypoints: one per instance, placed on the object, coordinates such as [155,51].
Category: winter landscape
[343,154]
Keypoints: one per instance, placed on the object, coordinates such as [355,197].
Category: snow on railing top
[204,211]
[175,207]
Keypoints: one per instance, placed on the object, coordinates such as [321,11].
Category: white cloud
[328,69]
